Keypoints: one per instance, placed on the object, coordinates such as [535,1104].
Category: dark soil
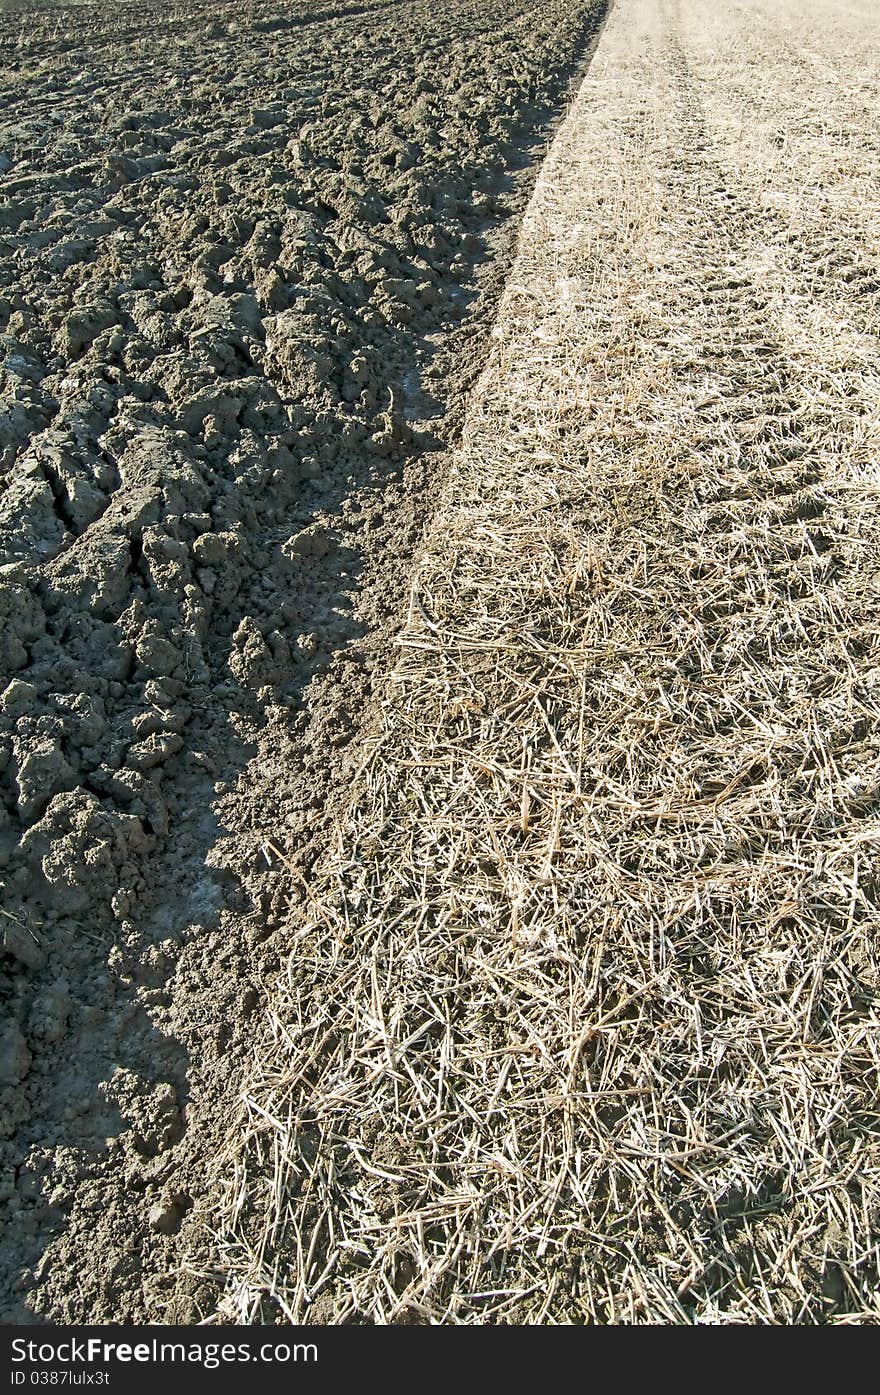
[248,257]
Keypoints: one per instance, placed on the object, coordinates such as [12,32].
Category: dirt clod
[243,286]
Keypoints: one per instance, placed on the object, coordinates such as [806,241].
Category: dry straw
[580,1018]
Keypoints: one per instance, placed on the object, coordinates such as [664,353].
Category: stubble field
[439,768]
[245,266]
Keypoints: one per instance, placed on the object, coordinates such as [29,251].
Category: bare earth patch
[248,260]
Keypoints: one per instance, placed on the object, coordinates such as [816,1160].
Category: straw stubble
[580,1018]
